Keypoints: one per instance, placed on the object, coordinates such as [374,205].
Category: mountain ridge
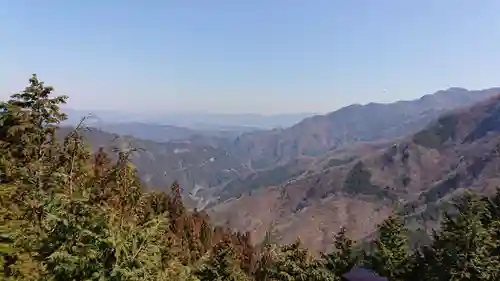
[458,151]
[318,134]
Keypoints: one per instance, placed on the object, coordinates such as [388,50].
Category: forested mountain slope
[417,174]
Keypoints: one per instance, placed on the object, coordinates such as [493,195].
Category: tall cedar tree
[343,258]
[390,257]
[295,263]
[222,265]
[464,248]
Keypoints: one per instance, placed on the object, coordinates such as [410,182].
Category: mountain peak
[456,89]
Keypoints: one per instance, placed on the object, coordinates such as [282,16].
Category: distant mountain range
[195,121]
[361,185]
[315,135]
[348,167]
[165,133]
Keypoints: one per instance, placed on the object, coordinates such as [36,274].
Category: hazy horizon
[257,57]
[181,113]
[273,114]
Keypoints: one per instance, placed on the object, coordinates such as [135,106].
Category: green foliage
[464,247]
[358,181]
[222,265]
[487,125]
[436,135]
[390,257]
[441,189]
[68,215]
[292,263]
[343,258]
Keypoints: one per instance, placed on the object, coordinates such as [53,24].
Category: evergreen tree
[295,263]
[491,220]
[28,170]
[176,208]
[222,265]
[343,258]
[463,248]
[28,122]
[391,254]
[265,267]
[206,233]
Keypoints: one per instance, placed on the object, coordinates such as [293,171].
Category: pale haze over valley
[264,57]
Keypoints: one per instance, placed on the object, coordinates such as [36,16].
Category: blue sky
[258,56]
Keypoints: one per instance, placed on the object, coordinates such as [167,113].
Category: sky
[256,56]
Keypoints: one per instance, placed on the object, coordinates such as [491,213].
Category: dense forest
[70,214]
